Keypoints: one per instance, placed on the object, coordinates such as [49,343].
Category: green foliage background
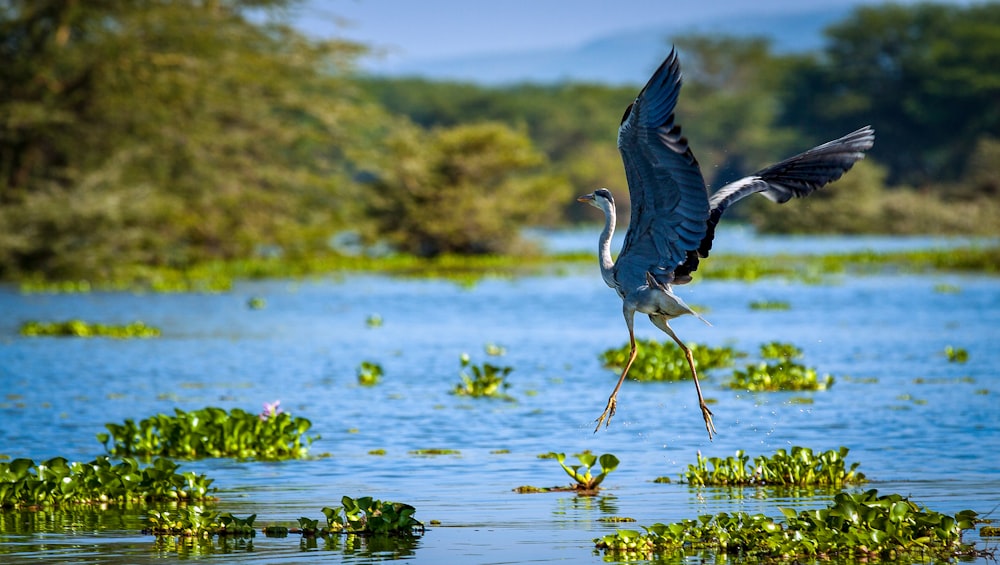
[173,133]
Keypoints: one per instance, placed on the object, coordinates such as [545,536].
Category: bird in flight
[673,217]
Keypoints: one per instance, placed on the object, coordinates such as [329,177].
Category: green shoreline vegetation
[226,146]
[220,276]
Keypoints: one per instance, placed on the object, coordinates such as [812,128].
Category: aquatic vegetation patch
[25,484]
[770,305]
[212,432]
[585,481]
[956,354]
[80,328]
[485,381]
[364,515]
[664,361]
[196,521]
[800,467]
[435,451]
[778,372]
[369,373]
[864,526]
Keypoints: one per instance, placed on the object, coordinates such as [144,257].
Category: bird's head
[600,198]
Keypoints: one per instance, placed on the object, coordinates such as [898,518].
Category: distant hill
[623,58]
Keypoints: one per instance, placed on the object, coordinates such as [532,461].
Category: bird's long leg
[609,410]
[661,322]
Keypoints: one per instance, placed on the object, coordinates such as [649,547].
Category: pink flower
[271,409]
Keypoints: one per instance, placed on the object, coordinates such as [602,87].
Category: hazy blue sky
[428,29]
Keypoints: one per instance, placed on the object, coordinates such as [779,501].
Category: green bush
[465,189]
[664,361]
[800,467]
[57,482]
[862,526]
[212,432]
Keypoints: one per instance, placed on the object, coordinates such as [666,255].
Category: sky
[410,30]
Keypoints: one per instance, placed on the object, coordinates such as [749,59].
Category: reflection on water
[919,424]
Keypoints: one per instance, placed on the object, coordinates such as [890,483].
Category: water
[920,426]
[742,239]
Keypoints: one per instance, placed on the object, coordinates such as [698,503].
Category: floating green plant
[585,481]
[212,432]
[863,526]
[770,305]
[780,372]
[800,467]
[57,482]
[366,515]
[79,328]
[956,354]
[435,451]
[256,303]
[195,521]
[369,374]
[664,361]
[373,321]
[495,350]
[615,519]
[487,380]
[946,288]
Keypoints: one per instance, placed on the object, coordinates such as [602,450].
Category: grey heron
[673,218]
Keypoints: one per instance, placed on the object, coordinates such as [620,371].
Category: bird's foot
[609,411]
[709,424]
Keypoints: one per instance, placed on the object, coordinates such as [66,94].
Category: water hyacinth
[862,526]
[80,328]
[487,380]
[212,432]
[195,521]
[585,482]
[664,361]
[778,372]
[801,467]
[57,482]
[271,409]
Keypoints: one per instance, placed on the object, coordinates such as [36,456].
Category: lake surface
[919,425]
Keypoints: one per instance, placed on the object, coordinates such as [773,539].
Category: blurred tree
[927,76]
[466,189]
[167,133]
[730,104]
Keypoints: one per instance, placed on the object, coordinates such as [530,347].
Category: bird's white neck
[604,245]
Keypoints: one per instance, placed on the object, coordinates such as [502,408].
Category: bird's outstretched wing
[796,176]
[667,191]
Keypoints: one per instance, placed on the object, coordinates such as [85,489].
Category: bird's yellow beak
[586,198]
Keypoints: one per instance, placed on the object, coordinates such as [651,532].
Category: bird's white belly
[657,302]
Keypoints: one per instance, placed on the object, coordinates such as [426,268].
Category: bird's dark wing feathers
[796,176]
[667,191]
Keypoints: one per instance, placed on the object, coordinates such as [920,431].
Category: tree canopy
[166,133]
[175,132]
